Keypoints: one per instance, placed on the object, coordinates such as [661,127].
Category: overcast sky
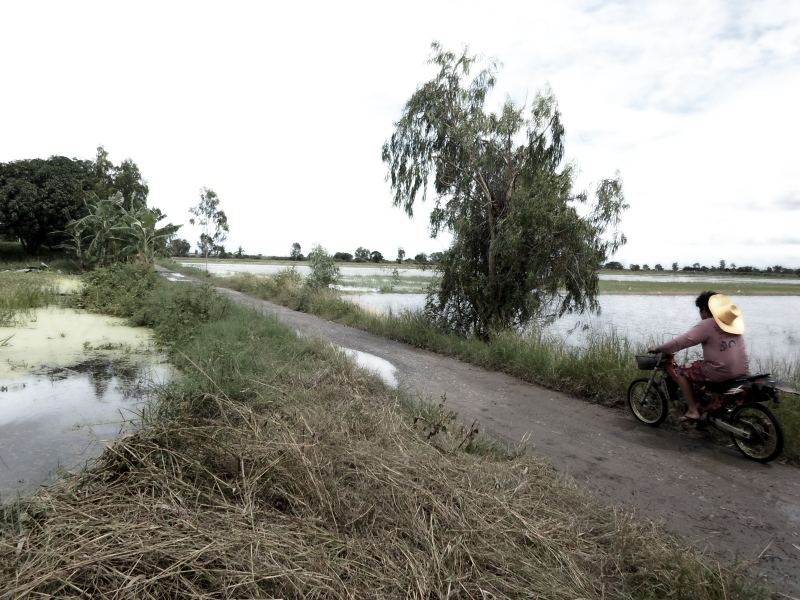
[282,109]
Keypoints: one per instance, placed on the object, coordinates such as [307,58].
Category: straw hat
[727,315]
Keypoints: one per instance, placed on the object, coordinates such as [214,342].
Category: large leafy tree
[125,179]
[39,197]
[179,247]
[296,252]
[525,243]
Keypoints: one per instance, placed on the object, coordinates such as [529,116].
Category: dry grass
[304,504]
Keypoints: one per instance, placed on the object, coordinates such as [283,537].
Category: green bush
[324,271]
[174,312]
[118,290]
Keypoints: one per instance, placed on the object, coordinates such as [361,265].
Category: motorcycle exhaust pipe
[725,426]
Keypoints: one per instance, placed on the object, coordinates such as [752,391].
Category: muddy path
[696,487]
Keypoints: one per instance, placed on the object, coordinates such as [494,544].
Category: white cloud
[282,109]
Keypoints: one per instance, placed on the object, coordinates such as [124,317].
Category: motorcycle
[734,407]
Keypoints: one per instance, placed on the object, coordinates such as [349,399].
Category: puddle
[176,277]
[60,418]
[375,364]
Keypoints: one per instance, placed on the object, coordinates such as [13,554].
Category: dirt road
[704,491]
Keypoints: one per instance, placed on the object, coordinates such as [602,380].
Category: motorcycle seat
[723,386]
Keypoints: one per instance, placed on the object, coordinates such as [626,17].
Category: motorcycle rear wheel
[647,404]
[766,441]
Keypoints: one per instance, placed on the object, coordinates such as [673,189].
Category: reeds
[21,293]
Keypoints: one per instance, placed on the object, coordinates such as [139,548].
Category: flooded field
[231,268]
[70,381]
[773,331]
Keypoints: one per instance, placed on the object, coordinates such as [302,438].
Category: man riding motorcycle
[724,352]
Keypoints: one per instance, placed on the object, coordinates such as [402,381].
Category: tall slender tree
[521,246]
[212,220]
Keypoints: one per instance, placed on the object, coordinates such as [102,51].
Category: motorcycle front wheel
[647,403]
[765,441]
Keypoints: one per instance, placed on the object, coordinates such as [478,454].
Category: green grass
[788,410]
[22,293]
[275,468]
[737,288]
[117,290]
[600,371]
[404,284]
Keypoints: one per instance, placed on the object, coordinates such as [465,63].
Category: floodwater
[231,268]
[227,269]
[70,381]
[773,330]
[62,418]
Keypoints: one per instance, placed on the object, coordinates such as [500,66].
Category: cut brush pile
[277,469]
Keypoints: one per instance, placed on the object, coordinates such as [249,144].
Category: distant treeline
[722,267]
[361,254]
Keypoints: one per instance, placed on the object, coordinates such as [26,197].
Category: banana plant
[144,238]
[110,232]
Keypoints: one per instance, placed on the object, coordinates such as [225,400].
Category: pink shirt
[724,354]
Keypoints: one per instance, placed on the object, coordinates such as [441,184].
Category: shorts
[694,372]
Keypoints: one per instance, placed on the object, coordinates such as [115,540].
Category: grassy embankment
[600,371]
[275,468]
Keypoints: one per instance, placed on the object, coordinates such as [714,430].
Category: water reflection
[60,418]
